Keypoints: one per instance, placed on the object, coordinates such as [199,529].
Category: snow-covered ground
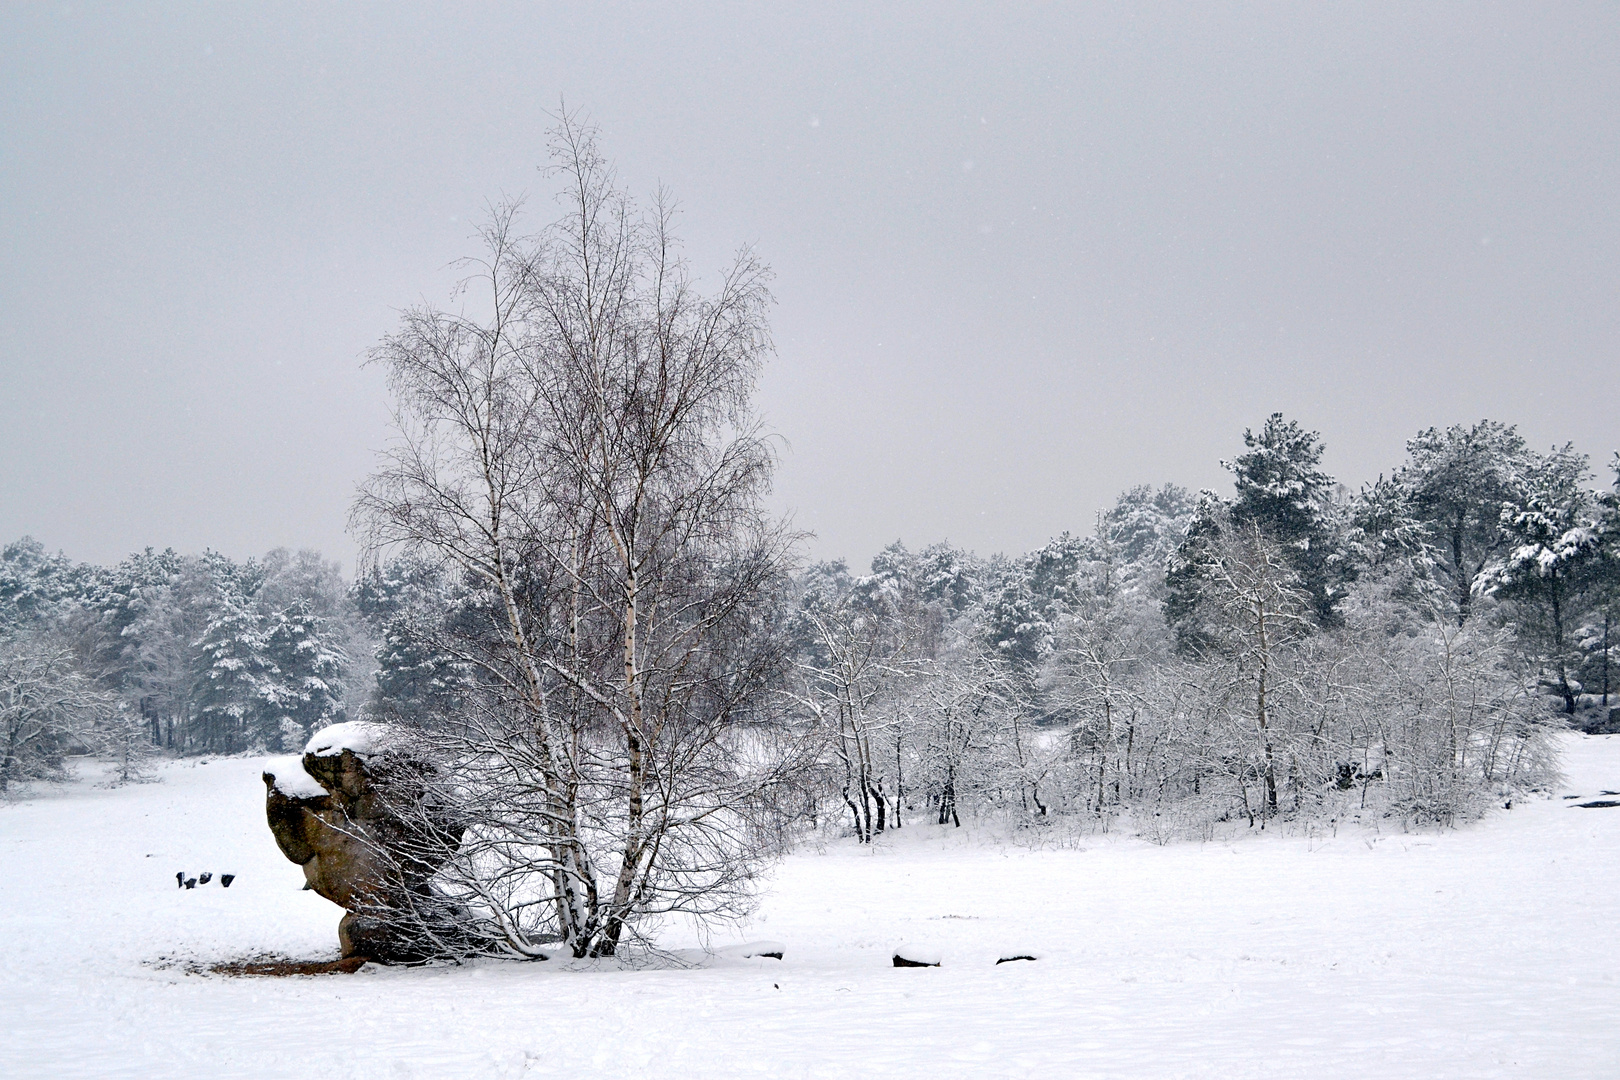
[1482,952]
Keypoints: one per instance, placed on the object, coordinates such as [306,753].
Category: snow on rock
[362,737]
[287,776]
[916,956]
[749,949]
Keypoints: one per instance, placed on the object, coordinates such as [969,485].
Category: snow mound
[287,776]
[916,956]
[362,737]
[750,949]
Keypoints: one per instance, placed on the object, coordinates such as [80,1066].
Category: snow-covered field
[1487,951]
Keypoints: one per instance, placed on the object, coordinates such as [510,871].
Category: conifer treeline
[1289,647]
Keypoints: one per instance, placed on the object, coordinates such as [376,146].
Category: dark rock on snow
[911,956]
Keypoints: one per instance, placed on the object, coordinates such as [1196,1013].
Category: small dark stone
[225,880]
[1020,956]
[900,961]
[203,879]
[179,879]
[191,883]
[1600,804]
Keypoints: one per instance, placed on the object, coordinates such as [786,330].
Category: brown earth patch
[280,965]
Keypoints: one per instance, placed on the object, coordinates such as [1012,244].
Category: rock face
[350,813]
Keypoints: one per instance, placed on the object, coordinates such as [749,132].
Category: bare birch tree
[1261,608]
[855,701]
[582,453]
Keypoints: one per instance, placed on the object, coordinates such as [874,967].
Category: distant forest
[1289,648]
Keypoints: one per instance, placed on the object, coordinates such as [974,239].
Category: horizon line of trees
[1476,546]
[1292,649]
[191,654]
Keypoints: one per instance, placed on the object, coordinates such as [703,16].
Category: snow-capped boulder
[336,812]
[360,737]
[287,775]
[753,949]
[916,956]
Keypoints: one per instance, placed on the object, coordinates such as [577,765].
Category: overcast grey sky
[1026,255]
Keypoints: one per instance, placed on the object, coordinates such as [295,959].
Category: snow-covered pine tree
[1454,484]
[1599,635]
[235,669]
[301,691]
[1280,488]
[408,606]
[1553,557]
[1145,526]
[33,582]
